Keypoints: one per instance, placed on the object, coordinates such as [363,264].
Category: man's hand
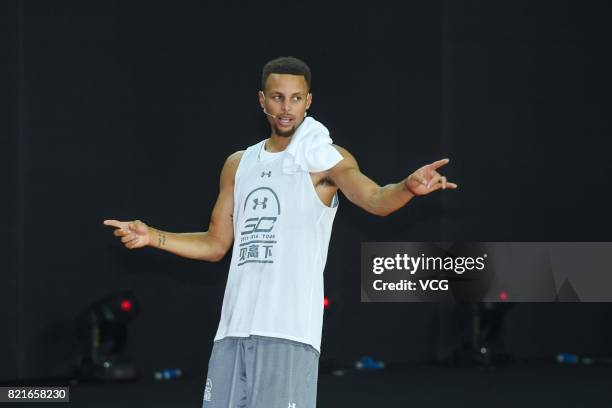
[427,179]
[134,234]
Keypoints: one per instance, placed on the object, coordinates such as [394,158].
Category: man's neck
[277,143]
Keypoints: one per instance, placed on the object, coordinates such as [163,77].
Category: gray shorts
[261,372]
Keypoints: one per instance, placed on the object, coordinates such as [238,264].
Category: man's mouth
[284,120]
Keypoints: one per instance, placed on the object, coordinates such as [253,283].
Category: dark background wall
[10,150]
[120,110]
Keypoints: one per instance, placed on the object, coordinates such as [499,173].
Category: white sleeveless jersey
[281,235]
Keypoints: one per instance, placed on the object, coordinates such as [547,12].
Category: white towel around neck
[310,149]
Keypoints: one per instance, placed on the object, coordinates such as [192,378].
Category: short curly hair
[285,65]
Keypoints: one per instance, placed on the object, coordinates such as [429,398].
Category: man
[276,206]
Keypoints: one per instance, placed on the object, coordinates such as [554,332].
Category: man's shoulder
[348,160]
[236,156]
[341,150]
[232,162]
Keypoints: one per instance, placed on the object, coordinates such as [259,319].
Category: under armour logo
[263,204]
[291,405]
[269,173]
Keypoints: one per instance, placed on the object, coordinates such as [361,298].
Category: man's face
[285,96]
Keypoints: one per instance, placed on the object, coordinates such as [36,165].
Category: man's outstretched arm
[365,193]
[211,245]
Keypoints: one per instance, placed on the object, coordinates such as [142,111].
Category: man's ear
[262,98]
[308,100]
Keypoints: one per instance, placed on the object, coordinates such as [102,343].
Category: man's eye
[276,98]
[297,98]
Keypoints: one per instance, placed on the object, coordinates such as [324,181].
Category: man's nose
[286,106]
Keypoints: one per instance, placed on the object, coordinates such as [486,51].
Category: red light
[503,295]
[126,305]
[326,302]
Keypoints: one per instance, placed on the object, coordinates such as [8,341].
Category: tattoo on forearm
[161,239]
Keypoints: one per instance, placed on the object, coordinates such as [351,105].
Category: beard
[284,133]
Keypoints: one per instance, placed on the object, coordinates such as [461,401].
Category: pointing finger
[114,223]
[437,164]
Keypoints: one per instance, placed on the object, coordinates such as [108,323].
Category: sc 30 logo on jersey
[261,224]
